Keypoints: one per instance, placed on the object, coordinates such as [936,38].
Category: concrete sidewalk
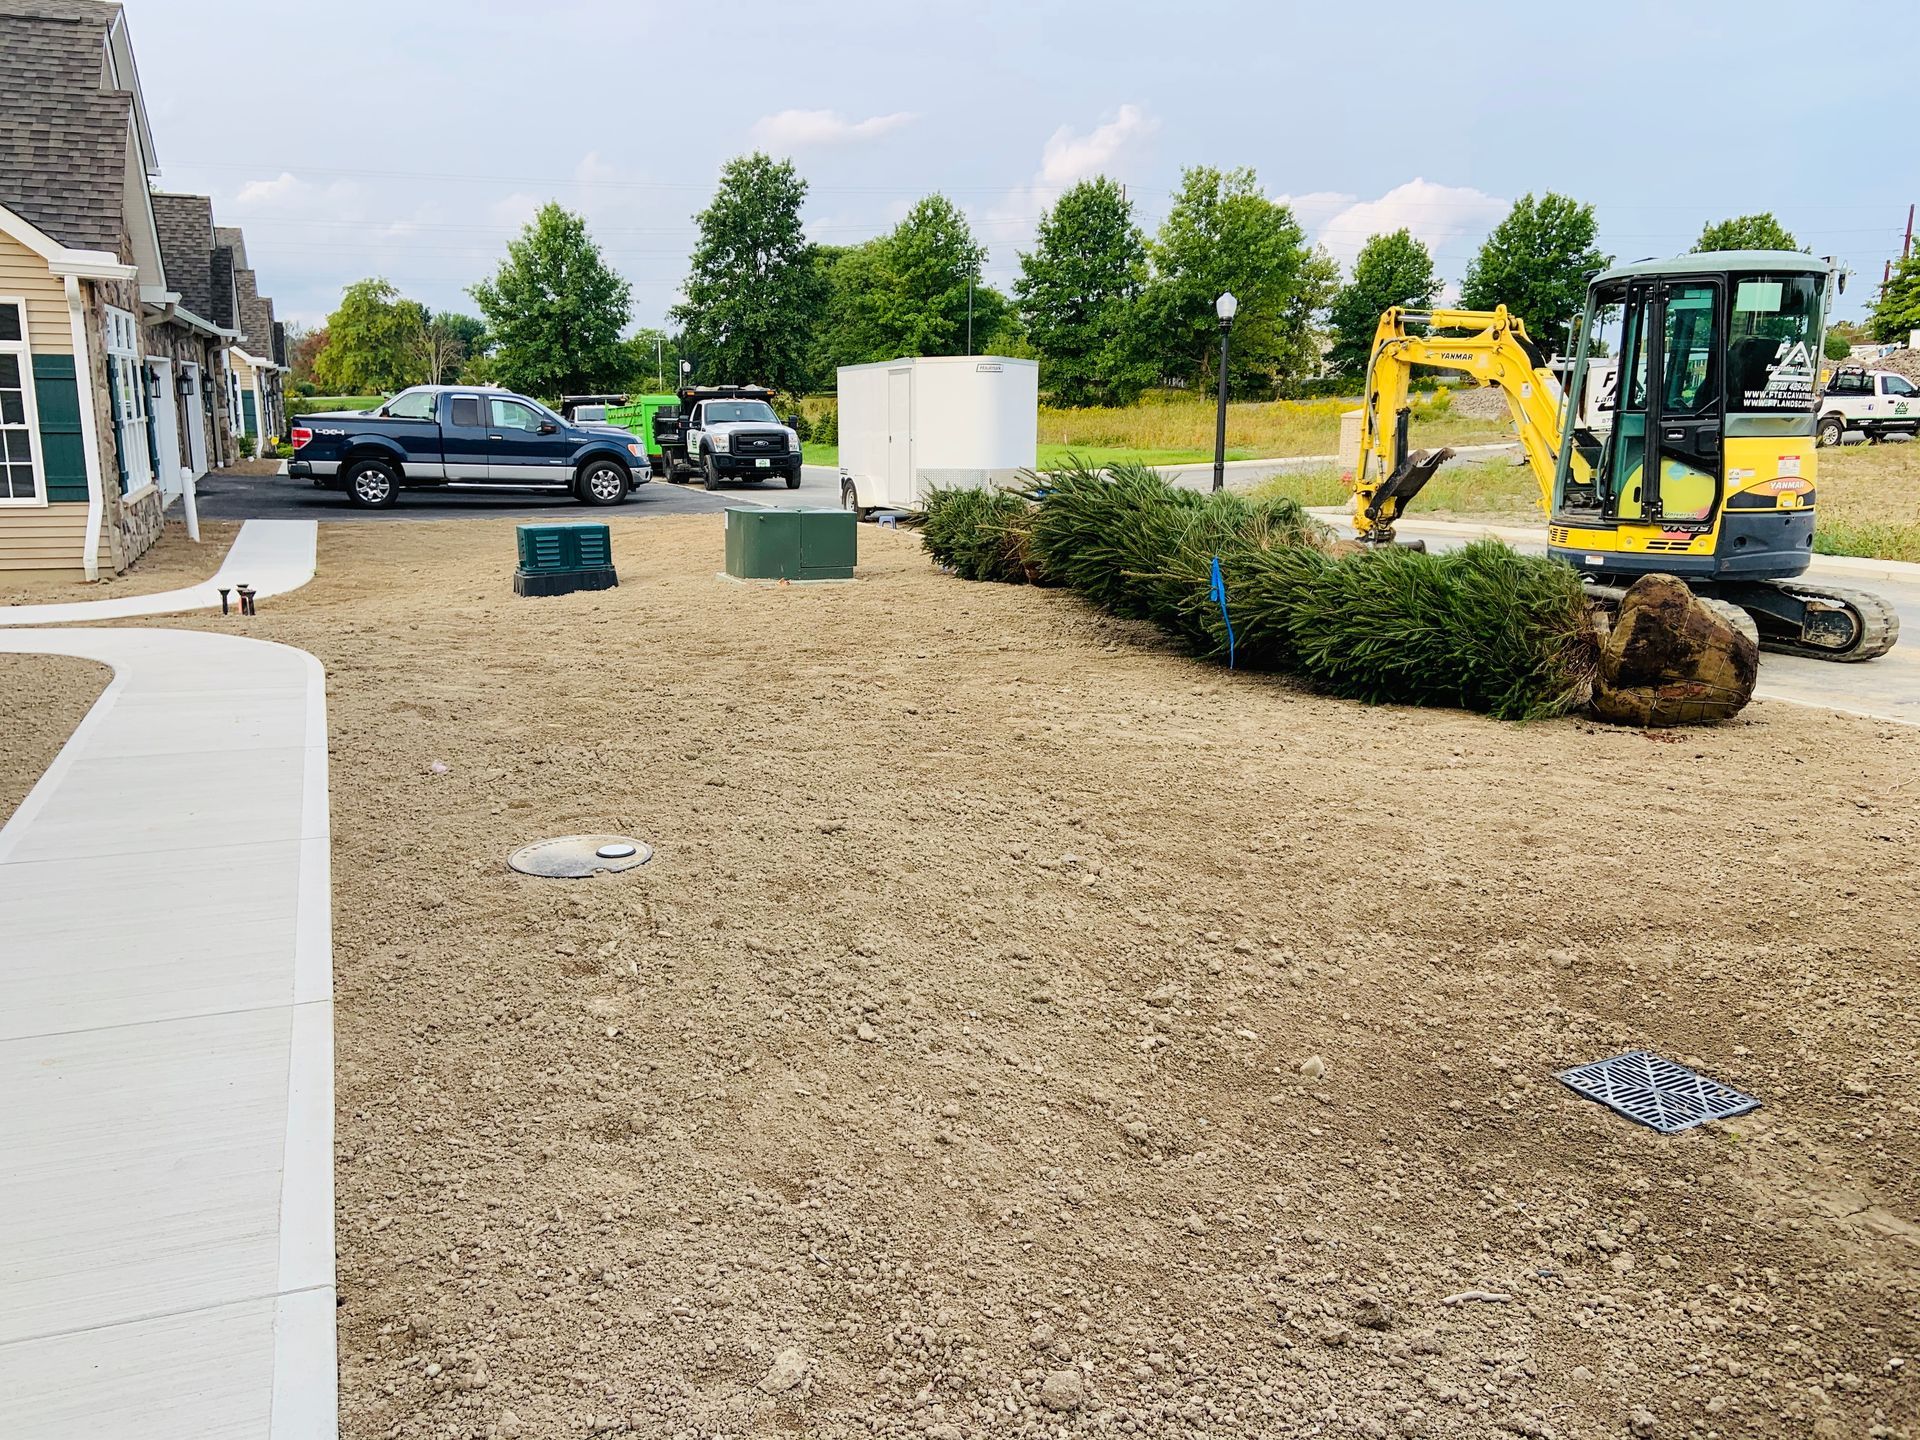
[273,556]
[166,1036]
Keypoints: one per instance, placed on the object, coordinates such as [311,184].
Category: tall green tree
[1223,234]
[1079,297]
[910,291]
[652,362]
[1390,270]
[1536,262]
[753,296]
[555,310]
[369,341]
[1896,315]
[1746,232]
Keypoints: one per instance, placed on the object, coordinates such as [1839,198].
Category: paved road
[280,497]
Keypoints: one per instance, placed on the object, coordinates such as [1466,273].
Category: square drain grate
[1642,1086]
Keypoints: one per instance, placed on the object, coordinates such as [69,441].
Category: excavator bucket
[1406,482]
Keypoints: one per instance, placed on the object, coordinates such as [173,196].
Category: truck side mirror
[547,427]
[793,422]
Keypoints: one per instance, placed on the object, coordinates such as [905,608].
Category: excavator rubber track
[1876,626]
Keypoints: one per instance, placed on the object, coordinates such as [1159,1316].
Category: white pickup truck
[1879,402]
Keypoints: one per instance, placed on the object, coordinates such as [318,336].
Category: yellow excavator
[1682,440]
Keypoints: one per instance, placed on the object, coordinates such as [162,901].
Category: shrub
[1484,628]
[826,424]
[980,534]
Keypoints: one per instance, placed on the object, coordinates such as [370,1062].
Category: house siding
[50,538]
[24,273]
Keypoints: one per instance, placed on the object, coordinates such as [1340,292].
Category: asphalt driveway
[226,496]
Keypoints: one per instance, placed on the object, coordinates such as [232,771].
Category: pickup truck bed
[463,436]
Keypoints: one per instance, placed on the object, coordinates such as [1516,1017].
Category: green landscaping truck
[636,417]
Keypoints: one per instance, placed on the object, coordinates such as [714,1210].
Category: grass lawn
[1868,497]
[1175,430]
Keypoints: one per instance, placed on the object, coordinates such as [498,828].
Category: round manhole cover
[574,857]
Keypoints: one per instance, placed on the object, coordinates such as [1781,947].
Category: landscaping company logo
[1790,377]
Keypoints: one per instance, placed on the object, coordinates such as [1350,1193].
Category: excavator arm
[1491,348]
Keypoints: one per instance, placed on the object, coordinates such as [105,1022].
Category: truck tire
[793,478]
[373,484]
[1833,429]
[602,482]
[712,476]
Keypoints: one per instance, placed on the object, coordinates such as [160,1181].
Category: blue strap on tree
[1219,595]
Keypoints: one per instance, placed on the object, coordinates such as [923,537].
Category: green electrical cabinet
[791,544]
[559,559]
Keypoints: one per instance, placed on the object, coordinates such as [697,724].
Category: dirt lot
[943,1075]
[42,697]
[172,561]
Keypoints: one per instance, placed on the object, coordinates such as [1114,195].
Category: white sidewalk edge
[273,556]
[305,1384]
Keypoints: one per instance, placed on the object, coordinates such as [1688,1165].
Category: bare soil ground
[42,697]
[171,562]
[1026,1031]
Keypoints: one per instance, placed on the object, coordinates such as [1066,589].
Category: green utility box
[559,559]
[636,418]
[791,544]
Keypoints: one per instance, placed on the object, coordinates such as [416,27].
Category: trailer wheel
[850,499]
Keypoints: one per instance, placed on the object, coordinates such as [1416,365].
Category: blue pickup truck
[454,435]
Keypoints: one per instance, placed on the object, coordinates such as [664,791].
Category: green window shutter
[63,453]
[252,425]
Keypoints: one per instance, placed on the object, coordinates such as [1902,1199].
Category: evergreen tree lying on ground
[1484,628]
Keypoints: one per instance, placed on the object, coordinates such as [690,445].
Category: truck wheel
[713,473]
[793,480]
[373,484]
[1833,429]
[601,482]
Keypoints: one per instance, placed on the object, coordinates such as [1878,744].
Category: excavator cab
[1695,463]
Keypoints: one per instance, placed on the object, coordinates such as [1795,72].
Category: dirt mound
[1478,402]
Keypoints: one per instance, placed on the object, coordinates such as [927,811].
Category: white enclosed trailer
[947,422]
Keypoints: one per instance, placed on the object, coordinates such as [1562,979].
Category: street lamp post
[686,369]
[1224,308]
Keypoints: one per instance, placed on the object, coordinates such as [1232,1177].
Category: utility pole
[969,313]
[659,362]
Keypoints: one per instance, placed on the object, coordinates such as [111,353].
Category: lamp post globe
[1225,307]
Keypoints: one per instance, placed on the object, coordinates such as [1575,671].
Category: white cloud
[1066,159]
[1069,158]
[1440,216]
[813,129]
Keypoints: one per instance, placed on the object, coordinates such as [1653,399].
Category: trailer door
[900,488]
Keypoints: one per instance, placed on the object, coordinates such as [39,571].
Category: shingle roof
[63,138]
[222,309]
[256,316]
[231,237]
[93,12]
[186,247]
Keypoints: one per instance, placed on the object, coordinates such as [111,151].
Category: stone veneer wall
[127,530]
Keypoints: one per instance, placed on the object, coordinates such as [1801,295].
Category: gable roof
[186,248]
[63,133]
[230,236]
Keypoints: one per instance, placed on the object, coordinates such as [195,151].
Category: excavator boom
[1491,347]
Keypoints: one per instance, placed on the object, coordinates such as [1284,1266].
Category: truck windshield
[1774,327]
[732,412]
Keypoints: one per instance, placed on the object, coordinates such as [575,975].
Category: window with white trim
[128,394]
[19,454]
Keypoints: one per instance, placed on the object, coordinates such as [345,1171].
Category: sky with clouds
[412,138]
